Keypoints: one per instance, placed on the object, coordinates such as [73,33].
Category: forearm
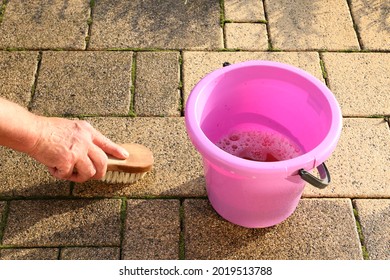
[18,127]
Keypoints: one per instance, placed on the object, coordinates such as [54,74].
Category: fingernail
[125,153]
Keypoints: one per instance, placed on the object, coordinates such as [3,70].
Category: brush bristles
[118,177]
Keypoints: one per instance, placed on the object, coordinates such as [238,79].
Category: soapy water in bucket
[265,146]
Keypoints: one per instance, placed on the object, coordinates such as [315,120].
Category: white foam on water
[259,146]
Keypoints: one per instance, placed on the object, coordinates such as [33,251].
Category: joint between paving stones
[181,82]
[355,26]
[270,45]
[132,112]
[3,221]
[366,255]
[34,85]
[323,69]
[123,216]
[89,22]
[182,230]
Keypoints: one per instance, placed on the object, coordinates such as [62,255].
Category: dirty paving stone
[169,24]
[34,223]
[22,176]
[177,169]
[90,253]
[374,218]
[152,230]
[244,10]
[359,166]
[17,76]
[311,25]
[360,82]
[157,82]
[319,229]
[45,24]
[373,23]
[246,36]
[29,254]
[84,83]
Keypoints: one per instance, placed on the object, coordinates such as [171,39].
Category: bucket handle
[321,182]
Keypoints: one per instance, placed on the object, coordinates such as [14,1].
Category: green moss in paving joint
[222,13]
[181,237]
[89,23]
[2,9]
[3,221]
[123,215]
[361,236]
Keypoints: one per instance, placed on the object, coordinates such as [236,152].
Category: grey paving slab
[45,24]
[244,10]
[152,230]
[90,253]
[360,165]
[197,64]
[360,82]
[29,254]
[63,223]
[17,75]
[319,229]
[84,83]
[246,36]
[167,24]
[374,217]
[372,20]
[177,170]
[23,176]
[308,25]
[157,83]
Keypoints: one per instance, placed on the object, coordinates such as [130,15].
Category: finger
[62,173]
[109,147]
[99,160]
[85,170]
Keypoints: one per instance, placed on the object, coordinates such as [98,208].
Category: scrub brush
[132,169]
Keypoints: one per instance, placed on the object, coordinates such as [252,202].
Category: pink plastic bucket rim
[308,160]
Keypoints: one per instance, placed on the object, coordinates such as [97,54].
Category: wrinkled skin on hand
[73,150]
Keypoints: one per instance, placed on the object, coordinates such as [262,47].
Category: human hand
[73,150]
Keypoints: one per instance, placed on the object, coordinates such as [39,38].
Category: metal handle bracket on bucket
[321,182]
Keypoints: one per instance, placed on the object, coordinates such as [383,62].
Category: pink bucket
[261,99]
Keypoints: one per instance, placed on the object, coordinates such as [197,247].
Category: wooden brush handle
[140,160]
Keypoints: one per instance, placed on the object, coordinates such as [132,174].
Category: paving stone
[373,23]
[374,217]
[167,24]
[84,83]
[308,25]
[23,176]
[90,253]
[244,10]
[177,170]
[45,24]
[360,165]
[360,81]
[157,84]
[63,223]
[29,254]
[17,75]
[152,230]
[318,229]
[246,36]
[197,64]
